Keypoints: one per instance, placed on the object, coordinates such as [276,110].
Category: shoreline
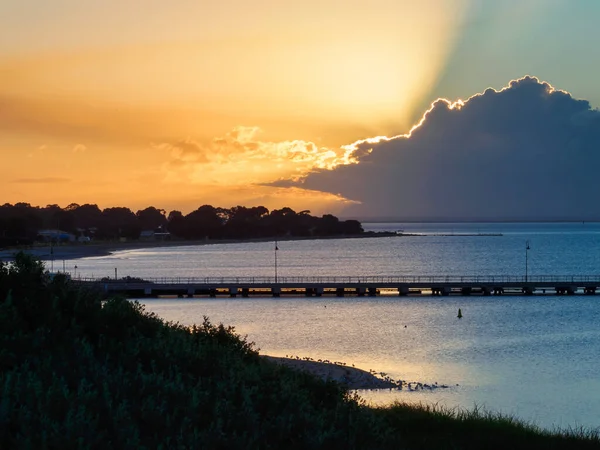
[87,250]
[351,377]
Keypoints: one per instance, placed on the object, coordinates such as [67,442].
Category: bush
[80,372]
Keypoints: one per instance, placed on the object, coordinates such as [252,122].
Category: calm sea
[536,358]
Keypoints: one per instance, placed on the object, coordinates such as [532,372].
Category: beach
[86,250]
[59,252]
[94,249]
[351,377]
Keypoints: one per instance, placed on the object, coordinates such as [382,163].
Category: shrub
[80,372]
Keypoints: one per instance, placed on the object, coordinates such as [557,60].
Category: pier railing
[356,279]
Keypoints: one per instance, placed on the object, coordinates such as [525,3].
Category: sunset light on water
[397,198]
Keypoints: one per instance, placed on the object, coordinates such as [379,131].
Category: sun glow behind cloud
[335,61]
[241,158]
[106,78]
[453,165]
[361,147]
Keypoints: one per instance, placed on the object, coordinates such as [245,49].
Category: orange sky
[180,104]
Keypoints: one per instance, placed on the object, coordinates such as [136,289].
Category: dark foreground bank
[78,371]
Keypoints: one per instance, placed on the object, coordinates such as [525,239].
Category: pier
[348,285]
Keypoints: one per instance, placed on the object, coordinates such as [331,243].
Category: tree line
[21,223]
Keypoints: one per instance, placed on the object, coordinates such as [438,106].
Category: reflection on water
[570,252]
[531,357]
[534,357]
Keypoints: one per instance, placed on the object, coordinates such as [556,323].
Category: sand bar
[351,377]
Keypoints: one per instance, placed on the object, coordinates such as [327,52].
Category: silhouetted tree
[119,222]
[176,224]
[280,221]
[328,225]
[72,207]
[352,227]
[152,218]
[87,217]
[20,223]
[245,222]
[203,223]
[50,217]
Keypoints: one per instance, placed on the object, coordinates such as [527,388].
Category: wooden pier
[349,285]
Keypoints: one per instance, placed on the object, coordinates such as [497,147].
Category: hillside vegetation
[79,371]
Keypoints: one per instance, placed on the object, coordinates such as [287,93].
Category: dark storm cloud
[526,152]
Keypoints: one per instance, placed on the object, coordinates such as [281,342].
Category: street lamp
[526,259]
[276,248]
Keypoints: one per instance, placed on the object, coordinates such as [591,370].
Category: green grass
[77,371]
[434,426]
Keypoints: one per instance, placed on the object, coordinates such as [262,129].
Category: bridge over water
[349,285]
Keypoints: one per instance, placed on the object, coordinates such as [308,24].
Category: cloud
[526,152]
[240,157]
[183,151]
[42,180]
[62,122]
[79,148]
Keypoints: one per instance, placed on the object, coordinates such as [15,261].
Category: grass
[79,371]
[434,426]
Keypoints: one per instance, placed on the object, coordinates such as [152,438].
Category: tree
[21,222]
[152,218]
[203,223]
[119,222]
[87,216]
[245,222]
[176,223]
[352,227]
[328,225]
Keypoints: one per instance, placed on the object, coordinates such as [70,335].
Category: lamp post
[276,248]
[75,273]
[526,259]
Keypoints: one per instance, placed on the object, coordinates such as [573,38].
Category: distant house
[55,236]
[147,235]
[151,235]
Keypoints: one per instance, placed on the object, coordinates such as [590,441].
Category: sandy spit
[351,377]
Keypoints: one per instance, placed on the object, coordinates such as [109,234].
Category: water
[532,357]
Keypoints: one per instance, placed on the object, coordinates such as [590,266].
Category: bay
[532,357]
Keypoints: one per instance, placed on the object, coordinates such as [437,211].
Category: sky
[307,104]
